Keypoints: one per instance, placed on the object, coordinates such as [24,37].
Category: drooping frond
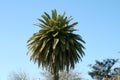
[55,46]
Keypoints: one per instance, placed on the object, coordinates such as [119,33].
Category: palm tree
[55,47]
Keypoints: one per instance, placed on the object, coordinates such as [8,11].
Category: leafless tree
[64,75]
[18,76]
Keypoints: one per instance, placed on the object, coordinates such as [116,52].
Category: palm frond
[55,47]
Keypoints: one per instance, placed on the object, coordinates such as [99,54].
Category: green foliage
[103,69]
[55,46]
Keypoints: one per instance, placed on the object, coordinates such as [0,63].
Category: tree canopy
[103,69]
[55,46]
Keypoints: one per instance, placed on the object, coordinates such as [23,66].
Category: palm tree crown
[55,46]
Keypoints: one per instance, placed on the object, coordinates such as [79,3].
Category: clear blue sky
[99,25]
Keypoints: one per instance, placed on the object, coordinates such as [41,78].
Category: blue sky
[99,26]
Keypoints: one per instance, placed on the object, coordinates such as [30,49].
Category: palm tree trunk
[56,76]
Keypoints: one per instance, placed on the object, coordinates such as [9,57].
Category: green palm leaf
[55,47]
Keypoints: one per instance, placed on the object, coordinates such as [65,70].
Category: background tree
[55,46]
[18,76]
[64,75]
[103,69]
